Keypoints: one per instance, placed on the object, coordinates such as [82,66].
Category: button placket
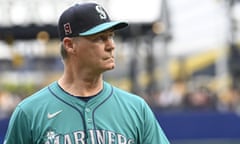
[88,122]
[88,118]
[87,110]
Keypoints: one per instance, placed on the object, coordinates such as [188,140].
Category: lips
[107,58]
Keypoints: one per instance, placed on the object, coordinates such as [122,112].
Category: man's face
[95,52]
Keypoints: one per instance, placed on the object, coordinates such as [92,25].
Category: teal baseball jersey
[113,116]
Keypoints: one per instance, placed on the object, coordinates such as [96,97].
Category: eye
[111,35]
[99,38]
[102,37]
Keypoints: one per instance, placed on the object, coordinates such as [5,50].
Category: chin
[111,67]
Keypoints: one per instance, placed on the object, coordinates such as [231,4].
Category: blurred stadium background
[181,56]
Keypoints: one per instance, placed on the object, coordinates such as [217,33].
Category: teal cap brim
[104,26]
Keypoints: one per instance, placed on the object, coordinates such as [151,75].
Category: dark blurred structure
[30,32]
[234,64]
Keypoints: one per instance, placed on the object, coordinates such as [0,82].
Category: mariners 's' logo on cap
[67,29]
[102,13]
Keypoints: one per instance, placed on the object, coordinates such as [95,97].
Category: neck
[81,84]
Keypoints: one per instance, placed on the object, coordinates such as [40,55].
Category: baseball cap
[86,19]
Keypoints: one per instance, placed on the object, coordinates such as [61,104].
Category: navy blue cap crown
[85,19]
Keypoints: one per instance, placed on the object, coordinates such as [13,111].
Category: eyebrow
[106,31]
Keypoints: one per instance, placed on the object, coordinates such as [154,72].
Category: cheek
[90,57]
[91,53]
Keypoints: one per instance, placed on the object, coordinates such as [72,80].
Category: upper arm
[19,131]
[153,133]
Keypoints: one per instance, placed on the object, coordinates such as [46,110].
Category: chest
[88,124]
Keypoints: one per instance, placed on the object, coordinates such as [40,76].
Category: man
[81,108]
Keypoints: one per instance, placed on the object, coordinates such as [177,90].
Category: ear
[68,44]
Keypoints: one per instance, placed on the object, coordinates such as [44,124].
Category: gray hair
[63,52]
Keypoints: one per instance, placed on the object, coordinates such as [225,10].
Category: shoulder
[37,99]
[134,104]
[126,94]
[129,98]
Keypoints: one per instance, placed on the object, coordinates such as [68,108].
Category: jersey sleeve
[153,133]
[18,131]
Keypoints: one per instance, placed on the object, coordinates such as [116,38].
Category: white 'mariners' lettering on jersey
[79,137]
[94,137]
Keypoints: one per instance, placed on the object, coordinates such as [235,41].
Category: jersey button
[87,109]
[89,120]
